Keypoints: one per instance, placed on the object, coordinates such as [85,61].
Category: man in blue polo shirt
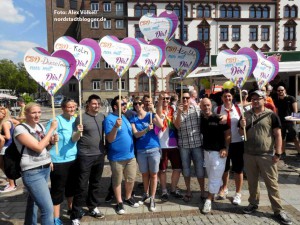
[119,136]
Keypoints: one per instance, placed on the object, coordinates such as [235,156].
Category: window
[152,9]
[294,11]
[106,24]
[258,12]
[97,66]
[230,12]
[173,83]
[252,12]
[265,33]
[96,85]
[108,85]
[253,33]
[138,33]
[203,33]
[122,84]
[73,4]
[145,9]
[119,9]
[289,33]
[107,66]
[224,33]
[200,11]
[137,11]
[119,24]
[205,61]
[185,11]
[185,33]
[176,10]
[107,7]
[236,33]
[286,11]
[144,83]
[223,11]
[207,11]
[94,6]
[95,24]
[72,87]
[169,7]
[236,12]
[60,3]
[266,12]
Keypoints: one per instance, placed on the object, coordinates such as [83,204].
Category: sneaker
[57,221]
[222,196]
[207,207]
[120,208]
[96,213]
[152,207]
[131,202]
[109,197]
[8,188]
[282,217]
[176,194]
[164,197]
[250,209]
[144,198]
[237,199]
[75,222]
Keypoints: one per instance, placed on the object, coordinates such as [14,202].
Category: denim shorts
[148,160]
[195,154]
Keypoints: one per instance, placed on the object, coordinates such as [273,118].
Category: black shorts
[291,128]
[63,181]
[235,154]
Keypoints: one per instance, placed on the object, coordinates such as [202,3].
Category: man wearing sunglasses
[119,136]
[168,142]
[286,105]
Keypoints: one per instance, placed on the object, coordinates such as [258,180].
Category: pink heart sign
[184,59]
[50,71]
[152,55]
[161,27]
[265,70]
[120,55]
[237,67]
[87,53]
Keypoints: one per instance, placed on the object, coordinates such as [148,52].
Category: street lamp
[182,20]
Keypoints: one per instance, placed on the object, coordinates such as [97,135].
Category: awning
[6,96]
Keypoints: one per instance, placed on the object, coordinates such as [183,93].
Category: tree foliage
[15,77]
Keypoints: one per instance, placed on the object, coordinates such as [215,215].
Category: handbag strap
[257,120]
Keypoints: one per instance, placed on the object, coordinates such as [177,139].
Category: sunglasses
[280,90]
[124,104]
[166,98]
[187,98]
[137,103]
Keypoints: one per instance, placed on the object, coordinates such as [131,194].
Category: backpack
[12,159]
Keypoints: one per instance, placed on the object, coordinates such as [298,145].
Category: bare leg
[128,189]
[145,177]
[225,179]
[70,202]
[202,187]
[118,195]
[56,211]
[163,179]
[187,181]
[153,183]
[238,177]
[174,179]
[297,146]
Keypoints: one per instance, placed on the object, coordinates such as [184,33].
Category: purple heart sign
[87,53]
[265,70]
[237,67]
[120,55]
[161,27]
[50,71]
[184,59]
[152,55]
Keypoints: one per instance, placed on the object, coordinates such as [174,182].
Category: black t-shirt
[213,132]
[284,106]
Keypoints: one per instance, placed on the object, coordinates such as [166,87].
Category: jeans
[195,154]
[36,182]
[88,184]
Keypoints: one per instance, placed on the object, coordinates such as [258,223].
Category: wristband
[116,126]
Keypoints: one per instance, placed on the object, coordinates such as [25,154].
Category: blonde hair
[31,105]
[6,114]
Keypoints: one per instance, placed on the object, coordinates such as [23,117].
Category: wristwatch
[278,155]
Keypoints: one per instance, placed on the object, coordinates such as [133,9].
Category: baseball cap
[259,93]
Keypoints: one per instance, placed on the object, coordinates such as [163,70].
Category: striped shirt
[189,132]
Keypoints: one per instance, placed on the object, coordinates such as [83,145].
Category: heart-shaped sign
[152,55]
[50,71]
[184,59]
[237,67]
[87,53]
[161,27]
[120,55]
[265,70]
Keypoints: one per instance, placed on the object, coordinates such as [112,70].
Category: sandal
[222,195]
[187,197]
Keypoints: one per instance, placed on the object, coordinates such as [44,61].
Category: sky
[22,26]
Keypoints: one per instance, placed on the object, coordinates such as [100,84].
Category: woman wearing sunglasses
[148,148]
[35,164]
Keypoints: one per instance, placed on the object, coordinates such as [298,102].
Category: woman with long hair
[35,164]
[6,129]
[148,147]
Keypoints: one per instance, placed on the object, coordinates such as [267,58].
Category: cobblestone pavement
[12,205]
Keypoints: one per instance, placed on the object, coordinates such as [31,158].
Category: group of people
[71,151]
